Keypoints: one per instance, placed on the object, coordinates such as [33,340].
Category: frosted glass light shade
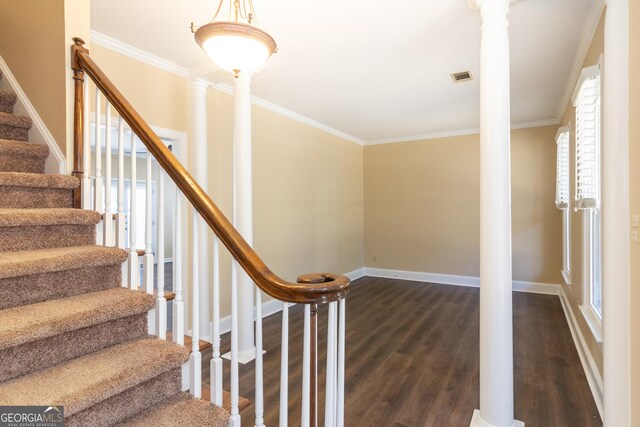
[235,46]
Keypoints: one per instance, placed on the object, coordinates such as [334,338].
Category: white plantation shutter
[587,105]
[562,170]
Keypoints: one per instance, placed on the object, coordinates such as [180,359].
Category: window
[562,198]
[141,191]
[587,193]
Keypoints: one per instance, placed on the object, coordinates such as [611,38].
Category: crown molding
[223,87]
[460,132]
[139,54]
[588,32]
[197,71]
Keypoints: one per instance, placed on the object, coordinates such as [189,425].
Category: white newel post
[616,262]
[496,329]
[243,210]
[199,89]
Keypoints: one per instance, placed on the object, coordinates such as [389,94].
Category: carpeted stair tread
[15,217]
[25,263]
[83,382]
[37,180]
[7,100]
[24,149]
[181,410]
[33,322]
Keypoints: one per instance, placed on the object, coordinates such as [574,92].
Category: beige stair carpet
[69,333]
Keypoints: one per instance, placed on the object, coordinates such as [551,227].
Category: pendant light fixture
[237,44]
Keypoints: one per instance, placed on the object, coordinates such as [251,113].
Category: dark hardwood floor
[412,359]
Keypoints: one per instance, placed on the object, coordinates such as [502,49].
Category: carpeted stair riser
[14,127]
[23,290]
[7,100]
[32,356]
[34,197]
[128,403]
[16,156]
[12,132]
[48,236]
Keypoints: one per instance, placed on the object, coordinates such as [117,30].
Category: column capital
[199,86]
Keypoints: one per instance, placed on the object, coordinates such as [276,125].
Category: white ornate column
[200,173]
[496,328]
[616,262]
[243,210]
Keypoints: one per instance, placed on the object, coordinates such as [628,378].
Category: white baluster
[147,259]
[330,395]
[306,367]
[98,195]
[259,365]
[234,420]
[178,303]
[195,360]
[341,364]
[134,262]
[108,238]
[86,148]
[284,368]
[215,365]
[161,302]
[120,216]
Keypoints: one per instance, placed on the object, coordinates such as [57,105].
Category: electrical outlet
[634,234]
[635,220]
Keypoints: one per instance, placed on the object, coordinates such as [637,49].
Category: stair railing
[108,196]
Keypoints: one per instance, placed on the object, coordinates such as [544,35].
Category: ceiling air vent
[463,76]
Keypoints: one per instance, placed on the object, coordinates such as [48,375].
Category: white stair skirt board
[471,281]
[39,133]
[477,421]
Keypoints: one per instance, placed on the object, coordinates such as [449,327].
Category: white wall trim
[588,364]
[223,87]
[470,281]
[139,54]
[39,133]
[460,132]
[588,32]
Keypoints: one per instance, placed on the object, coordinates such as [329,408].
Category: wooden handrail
[310,289]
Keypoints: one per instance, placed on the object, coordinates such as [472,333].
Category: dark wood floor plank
[412,359]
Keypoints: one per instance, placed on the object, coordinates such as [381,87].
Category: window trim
[564,207]
[591,218]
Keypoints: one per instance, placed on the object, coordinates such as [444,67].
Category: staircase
[70,334]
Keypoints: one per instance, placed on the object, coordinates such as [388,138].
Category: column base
[244,357]
[477,421]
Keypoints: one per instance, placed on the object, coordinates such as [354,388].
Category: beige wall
[634,198]
[32,43]
[574,292]
[422,202]
[307,192]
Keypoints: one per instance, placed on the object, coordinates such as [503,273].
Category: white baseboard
[588,364]
[470,281]
[356,274]
[39,133]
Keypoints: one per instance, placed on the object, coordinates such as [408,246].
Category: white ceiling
[372,69]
